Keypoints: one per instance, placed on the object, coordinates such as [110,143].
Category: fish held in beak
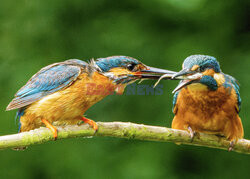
[187,80]
[155,73]
[187,76]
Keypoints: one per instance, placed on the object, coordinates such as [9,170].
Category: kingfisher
[60,94]
[207,100]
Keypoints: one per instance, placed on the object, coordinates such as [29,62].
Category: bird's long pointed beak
[182,84]
[155,73]
[183,73]
[187,77]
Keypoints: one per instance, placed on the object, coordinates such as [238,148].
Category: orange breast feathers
[208,111]
[68,105]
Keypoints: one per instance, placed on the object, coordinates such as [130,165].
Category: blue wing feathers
[233,83]
[48,80]
[175,100]
[19,114]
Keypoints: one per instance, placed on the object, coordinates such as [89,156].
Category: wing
[175,102]
[48,80]
[233,83]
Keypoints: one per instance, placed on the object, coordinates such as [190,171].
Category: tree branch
[121,130]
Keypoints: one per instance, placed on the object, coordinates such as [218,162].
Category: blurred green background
[161,33]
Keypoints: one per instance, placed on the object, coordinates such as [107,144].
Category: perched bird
[61,93]
[207,100]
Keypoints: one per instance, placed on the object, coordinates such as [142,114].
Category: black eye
[131,66]
[202,69]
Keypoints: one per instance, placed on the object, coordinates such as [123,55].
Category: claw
[231,146]
[90,122]
[51,127]
[192,133]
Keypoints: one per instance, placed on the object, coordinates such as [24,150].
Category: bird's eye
[131,66]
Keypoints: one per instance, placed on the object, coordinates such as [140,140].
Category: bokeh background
[161,33]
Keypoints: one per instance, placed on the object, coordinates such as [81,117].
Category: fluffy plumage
[210,104]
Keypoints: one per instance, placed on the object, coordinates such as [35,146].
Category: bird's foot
[192,133]
[51,127]
[90,122]
[231,146]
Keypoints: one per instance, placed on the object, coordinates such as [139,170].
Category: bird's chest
[205,111]
[205,103]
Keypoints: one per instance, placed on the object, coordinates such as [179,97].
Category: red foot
[90,122]
[51,127]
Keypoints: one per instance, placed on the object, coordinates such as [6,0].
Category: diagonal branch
[121,130]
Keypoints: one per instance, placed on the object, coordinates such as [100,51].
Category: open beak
[187,77]
[183,73]
[155,73]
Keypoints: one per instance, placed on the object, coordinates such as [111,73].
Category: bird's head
[199,72]
[125,70]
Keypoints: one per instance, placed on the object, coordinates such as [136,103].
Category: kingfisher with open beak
[206,100]
[61,93]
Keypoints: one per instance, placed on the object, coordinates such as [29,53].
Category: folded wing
[48,80]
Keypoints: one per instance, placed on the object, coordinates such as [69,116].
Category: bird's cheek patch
[140,67]
[219,78]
